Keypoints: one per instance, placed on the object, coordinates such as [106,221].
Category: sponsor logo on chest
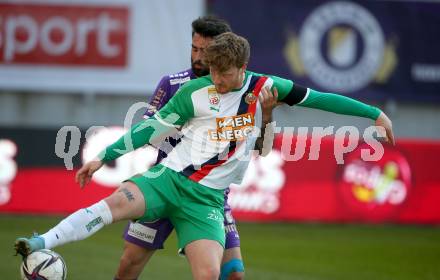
[234,128]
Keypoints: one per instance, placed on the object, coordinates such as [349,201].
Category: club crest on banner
[341,47]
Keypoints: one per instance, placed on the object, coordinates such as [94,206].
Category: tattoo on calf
[128,194]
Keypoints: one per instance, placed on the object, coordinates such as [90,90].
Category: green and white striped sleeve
[295,94]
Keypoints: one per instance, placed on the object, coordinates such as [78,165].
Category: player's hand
[386,123]
[84,175]
[268,101]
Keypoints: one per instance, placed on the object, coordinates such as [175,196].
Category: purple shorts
[152,235]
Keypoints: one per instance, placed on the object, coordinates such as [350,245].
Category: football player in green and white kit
[214,152]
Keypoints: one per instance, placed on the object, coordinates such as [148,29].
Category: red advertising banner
[403,186]
[93,46]
[64,34]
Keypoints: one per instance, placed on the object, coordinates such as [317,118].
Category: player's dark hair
[227,50]
[210,26]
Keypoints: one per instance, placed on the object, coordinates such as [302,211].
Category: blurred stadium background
[70,66]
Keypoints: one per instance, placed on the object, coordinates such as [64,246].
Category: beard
[199,69]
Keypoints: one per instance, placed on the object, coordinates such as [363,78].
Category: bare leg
[126,203]
[133,260]
[204,257]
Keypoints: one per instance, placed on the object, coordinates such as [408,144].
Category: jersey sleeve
[159,97]
[295,94]
[339,104]
[288,92]
[156,129]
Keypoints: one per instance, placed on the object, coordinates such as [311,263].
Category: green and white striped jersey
[218,130]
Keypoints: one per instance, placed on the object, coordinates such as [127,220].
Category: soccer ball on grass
[43,265]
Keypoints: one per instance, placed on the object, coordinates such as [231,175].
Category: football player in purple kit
[142,239]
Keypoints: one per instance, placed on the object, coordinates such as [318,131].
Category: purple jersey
[166,89]
[153,234]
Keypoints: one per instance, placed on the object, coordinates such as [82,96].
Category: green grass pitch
[271,251]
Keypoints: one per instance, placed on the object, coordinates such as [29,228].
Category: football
[43,264]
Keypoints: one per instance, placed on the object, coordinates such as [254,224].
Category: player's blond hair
[227,50]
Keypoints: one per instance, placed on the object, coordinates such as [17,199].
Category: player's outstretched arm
[150,131]
[294,94]
[347,106]
[339,104]
[145,132]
